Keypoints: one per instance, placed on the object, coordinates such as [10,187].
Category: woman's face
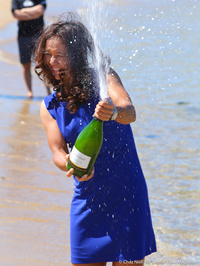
[55,56]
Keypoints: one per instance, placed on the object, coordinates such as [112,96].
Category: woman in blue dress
[110,219]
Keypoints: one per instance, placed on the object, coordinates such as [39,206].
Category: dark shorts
[26,48]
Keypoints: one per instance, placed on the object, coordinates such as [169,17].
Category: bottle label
[79,159]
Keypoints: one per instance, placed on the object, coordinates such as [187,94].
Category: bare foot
[29,95]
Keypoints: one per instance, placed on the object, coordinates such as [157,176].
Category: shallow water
[154,47]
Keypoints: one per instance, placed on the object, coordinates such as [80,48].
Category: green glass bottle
[86,148]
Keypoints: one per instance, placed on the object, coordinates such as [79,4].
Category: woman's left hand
[104,109]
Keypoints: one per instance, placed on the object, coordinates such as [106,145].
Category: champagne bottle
[86,148]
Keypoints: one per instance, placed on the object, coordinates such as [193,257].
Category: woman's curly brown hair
[76,84]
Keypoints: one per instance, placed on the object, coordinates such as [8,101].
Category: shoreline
[5,14]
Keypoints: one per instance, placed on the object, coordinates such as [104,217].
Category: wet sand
[5,13]
[34,195]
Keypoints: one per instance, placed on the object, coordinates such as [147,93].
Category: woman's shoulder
[53,105]
[51,101]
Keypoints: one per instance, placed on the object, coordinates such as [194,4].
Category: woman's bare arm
[57,143]
[55,139]
[121,100]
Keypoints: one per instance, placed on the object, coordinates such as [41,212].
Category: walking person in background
[29,14]
[110,218]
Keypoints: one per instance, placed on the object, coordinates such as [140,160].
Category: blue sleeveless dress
[110,218]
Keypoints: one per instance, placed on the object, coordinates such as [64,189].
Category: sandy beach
[35,199]
[5,13]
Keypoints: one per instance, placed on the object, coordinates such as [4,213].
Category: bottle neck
[97,119]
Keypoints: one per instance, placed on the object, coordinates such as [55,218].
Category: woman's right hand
[71,171]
